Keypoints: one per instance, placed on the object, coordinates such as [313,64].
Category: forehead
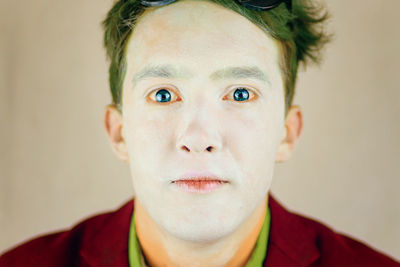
[199,35]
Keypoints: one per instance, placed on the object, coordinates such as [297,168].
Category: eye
[163,95]
[241,94]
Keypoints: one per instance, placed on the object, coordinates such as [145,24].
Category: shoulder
[340,249]
[62,248]
[309,242]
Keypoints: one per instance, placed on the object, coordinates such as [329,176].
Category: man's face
[203,126]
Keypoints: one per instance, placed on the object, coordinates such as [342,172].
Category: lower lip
[199,186]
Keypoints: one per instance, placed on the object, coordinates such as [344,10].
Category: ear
[113,126]
[292,133]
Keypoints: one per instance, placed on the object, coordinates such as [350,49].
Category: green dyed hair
[300,34]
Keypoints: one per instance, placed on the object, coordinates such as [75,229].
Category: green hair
[299,32]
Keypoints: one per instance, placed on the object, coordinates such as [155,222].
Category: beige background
[57,166]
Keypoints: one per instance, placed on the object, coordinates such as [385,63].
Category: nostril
[209,149]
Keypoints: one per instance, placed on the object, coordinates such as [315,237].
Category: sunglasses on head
[258,5]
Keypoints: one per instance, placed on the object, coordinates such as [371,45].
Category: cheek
[253,141]
[149,133]
[253,132]
[254,148]
[148,146]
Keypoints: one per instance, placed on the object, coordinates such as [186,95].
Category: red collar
[106,244]
[291,241]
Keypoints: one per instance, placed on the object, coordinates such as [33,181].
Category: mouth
[199,182]
[199,185]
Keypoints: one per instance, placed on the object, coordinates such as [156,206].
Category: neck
[162,249]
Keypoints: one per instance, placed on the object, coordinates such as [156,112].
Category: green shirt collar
[136,258]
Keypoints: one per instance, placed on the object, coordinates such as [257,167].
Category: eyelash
[233,90]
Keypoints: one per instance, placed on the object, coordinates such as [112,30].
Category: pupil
[240,94]
[163,96]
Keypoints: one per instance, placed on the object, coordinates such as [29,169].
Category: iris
[240,94]
[163,96]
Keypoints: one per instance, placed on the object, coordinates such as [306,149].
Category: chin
[194,218]
[201,223]
[203,231]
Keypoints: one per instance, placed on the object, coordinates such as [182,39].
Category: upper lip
[200,175]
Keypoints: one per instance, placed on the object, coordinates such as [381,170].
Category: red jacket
[102,240]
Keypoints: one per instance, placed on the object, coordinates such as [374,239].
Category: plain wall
[57,166]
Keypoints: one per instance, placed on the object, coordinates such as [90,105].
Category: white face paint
[167,139]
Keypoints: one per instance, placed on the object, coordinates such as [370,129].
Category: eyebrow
[169,71]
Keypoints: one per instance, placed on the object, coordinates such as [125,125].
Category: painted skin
[202,127]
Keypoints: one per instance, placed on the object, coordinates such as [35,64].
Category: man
[202,94]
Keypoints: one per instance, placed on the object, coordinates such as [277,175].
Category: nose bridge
[199,132]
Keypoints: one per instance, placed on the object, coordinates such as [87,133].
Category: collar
[292,241]
[105,239]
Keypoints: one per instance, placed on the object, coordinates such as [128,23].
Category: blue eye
[241,94]
[163,96]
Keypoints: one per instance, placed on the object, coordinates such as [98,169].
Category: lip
[199,182]
[200,176]
[199,185]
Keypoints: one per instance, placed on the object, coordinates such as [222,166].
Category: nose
[199,135]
